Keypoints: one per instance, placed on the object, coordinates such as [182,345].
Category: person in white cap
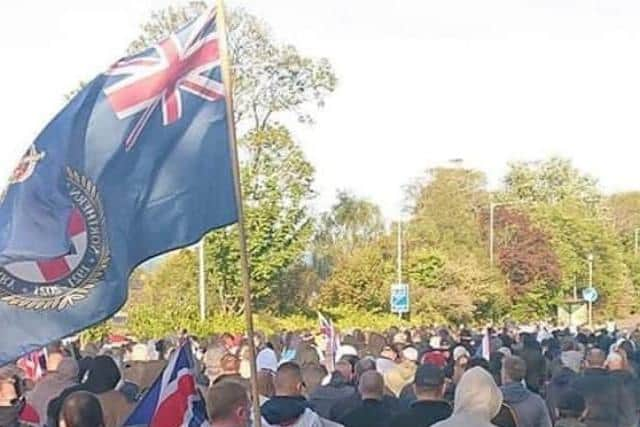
[461,358]
[346,350]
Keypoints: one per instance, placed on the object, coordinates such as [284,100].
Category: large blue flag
[138,163]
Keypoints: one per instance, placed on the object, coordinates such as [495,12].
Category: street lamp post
[201,281]
[399,272]
[590,262]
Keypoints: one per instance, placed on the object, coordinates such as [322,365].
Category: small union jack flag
[173,400]
[329,331]
[159,76]
[34,364]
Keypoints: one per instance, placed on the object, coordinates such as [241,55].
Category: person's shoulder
[328,423]
[402,419]
[540,404]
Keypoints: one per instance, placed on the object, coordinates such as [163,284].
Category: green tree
[168,299]
[550,181]
[574,236]
[452,290]
[445,207]
[361,279]
[448,267]
[268,78]
[350,223]
[624,209]
[567,206]
[277,182]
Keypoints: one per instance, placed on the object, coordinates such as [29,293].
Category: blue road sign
[399,298]
[590,294]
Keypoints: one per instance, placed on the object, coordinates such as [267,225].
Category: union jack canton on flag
[173,400]
[138,163]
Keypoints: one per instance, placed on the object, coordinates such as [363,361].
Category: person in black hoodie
[324,398]
[536,363]
[562,379]
[371,412]
[102,379]
[608,405]
[289,407]
[429,408]
[619,370]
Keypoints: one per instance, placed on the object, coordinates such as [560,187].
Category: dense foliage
[550,218]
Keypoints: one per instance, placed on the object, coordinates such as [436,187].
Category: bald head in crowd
[371,385]
[345,369]
[595,358]
[364,365]
[81,409]
[313,376]
[288,381]
[228,404]
[514,369]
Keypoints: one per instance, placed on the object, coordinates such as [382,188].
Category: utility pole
[201,281]
[399,258]
[590,261]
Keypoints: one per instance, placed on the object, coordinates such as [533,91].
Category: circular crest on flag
[27,165]
[55,284]
[25,168]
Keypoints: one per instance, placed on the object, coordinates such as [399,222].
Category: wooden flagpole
[244,261]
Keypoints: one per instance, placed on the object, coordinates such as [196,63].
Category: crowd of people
[513,377]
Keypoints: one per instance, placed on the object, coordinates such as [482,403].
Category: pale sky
[421,81]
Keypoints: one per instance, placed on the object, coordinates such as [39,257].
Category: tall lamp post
[590,263]
[201,281]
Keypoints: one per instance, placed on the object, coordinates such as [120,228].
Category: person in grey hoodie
[477,400]
[530,409]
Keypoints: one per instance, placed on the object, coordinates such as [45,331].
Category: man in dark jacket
[11,401]
[81,409]
[626,380]
[608,404]
[289,407]
[429,408]
[563,379]
[371,412]
[342,408]
[324,398]
[530,409]
[536,363]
